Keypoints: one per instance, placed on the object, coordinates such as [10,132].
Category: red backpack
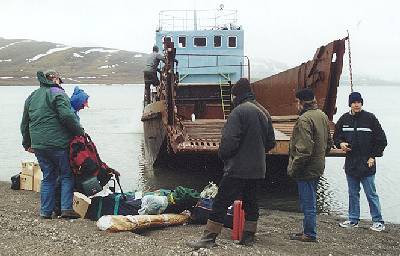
[85,162]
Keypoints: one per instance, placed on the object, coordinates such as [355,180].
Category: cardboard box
[37,182]
[80,204]
[26,182]
[37,178]
[27,168]
[36,170]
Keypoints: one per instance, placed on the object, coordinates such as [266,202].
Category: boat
[202,61]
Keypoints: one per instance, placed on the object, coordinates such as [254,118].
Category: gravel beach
[24,233]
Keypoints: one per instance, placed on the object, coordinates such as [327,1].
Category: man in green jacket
[309,144]
[47,126]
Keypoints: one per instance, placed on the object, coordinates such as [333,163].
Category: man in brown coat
[309,144]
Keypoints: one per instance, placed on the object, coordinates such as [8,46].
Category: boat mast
[195,20]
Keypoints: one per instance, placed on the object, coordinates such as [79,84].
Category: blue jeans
[368,184]
[55,163]
[308,204]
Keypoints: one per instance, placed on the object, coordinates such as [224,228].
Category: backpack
[85,162]
[15,182]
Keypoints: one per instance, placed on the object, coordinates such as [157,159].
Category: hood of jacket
[308,106]
[243,98]
[43,80]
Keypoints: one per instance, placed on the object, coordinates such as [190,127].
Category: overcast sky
[281,30]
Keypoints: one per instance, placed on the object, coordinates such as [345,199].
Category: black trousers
[231,189]
[150,78]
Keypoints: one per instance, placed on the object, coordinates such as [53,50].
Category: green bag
[91,186]
[186,196]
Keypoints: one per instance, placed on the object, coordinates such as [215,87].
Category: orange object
[238,220]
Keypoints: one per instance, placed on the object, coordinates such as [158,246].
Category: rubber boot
[207,240]
[249,231]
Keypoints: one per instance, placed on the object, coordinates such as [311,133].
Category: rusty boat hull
[170,129]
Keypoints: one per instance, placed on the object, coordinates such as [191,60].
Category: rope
[350,69]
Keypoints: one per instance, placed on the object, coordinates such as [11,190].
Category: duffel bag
[113,204]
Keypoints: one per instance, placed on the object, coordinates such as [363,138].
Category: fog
[285,31]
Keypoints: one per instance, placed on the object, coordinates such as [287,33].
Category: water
[113,121]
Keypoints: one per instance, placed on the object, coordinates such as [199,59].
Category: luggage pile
[131,212]
[29,178]
[152,203]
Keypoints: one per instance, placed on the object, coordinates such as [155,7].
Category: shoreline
[79,84]
[23,233]
[142,84]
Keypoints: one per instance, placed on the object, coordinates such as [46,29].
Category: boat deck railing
[185,20]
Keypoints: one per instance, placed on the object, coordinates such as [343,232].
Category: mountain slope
[20,60]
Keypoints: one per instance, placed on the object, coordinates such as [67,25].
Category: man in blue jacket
[361,136]
[79,100]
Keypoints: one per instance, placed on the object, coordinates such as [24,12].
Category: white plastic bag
[153,205]
[209,191]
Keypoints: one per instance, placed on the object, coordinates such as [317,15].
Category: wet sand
[24,233]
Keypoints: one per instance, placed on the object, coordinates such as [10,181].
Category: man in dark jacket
[309,144]
[150,71]
[246,137]
[47,126]
[361,136]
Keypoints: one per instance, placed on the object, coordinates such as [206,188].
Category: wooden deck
[204,135]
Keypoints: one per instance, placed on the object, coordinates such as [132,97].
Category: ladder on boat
[225,98]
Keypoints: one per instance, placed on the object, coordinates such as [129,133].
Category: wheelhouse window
[200,42]
[217,41]
[232,42]
[182,41]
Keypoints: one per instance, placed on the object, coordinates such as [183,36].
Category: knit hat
[355,96]
[79,99]
[241,87]
[305,94]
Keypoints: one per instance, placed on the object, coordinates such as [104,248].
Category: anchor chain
[350,69]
